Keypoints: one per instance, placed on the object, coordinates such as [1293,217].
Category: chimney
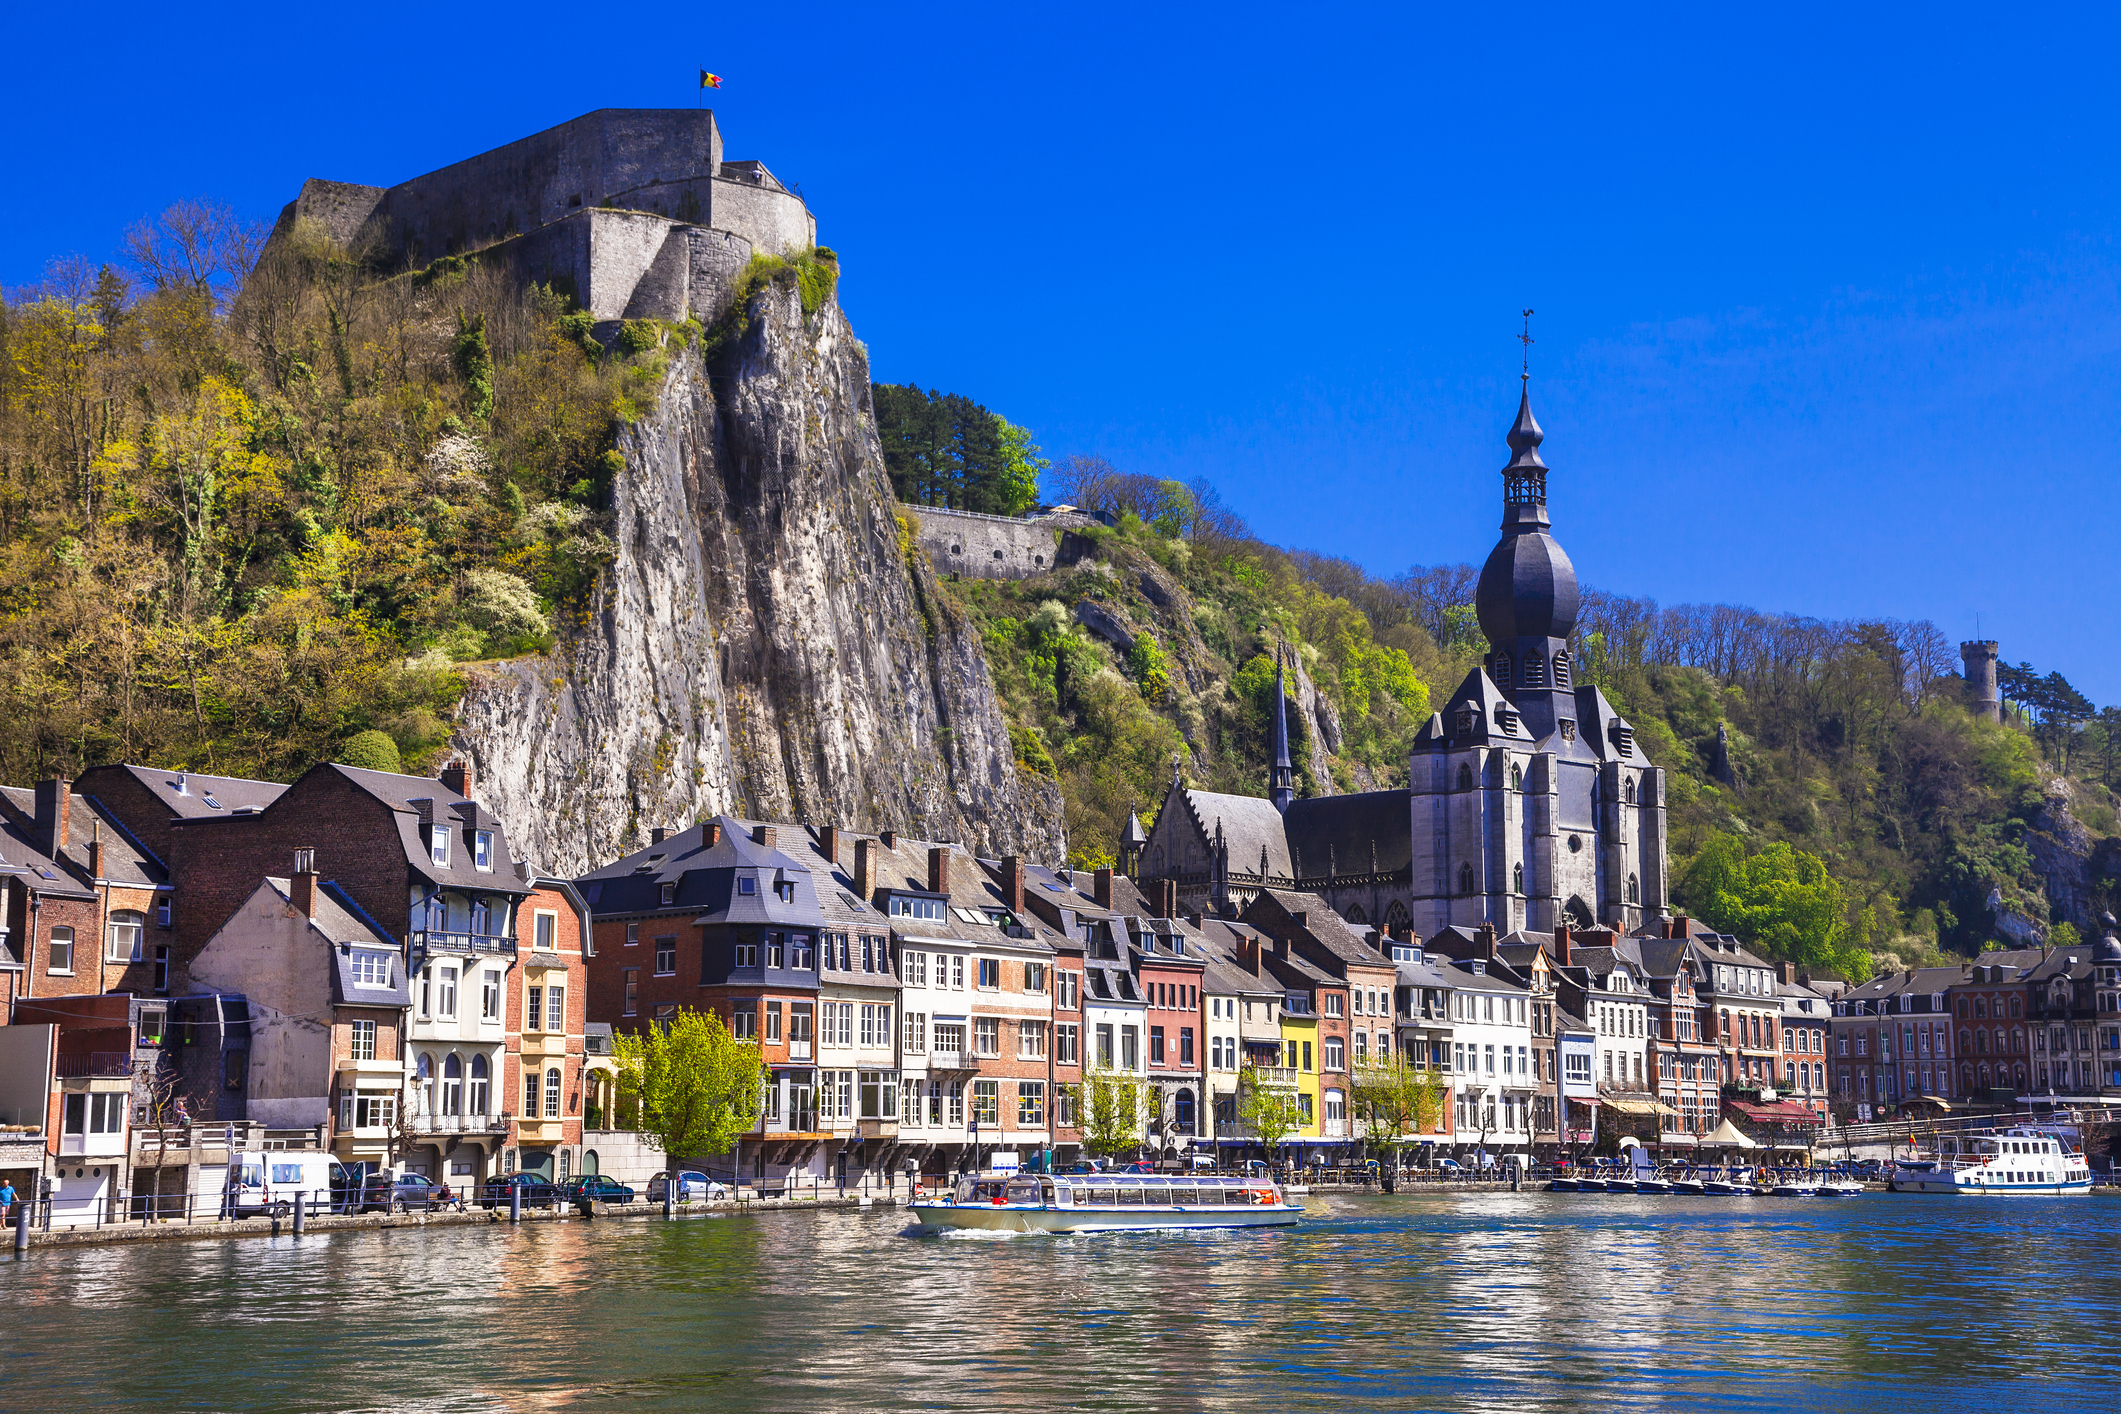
[55,806]
[865,870]
[1248,950]
[657,835]
[828,844]
[456,776]
[1301,917]
[1163,898]
[1679,925]
[711,831]
[1194,919]
[1484,936]
[303,886]
[763,835]
[939,869]
[1561,945]
[95,853]
[888,838]
[1013,883]
[1789,974]
[1101,887]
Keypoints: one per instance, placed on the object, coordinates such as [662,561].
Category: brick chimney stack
[1789,974]
[1013,883]
[711,831]
[456,776]
[1484,935]
[1163,898]
[55,807]
[657,835]
[828,844]
[865,870]
[939,869]
[1101,887]
[303,883]
[764,835]
[1561,944]
[888,838]
[95,853]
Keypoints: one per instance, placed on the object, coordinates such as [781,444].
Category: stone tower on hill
[1982,698]
[630,211]
[1529,804]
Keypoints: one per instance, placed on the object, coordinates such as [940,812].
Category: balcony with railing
[433,941]
[1279,1076]
[459,1124]
[95,1065]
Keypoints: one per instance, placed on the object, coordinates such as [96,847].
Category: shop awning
[1636,1107]
[1780,1112]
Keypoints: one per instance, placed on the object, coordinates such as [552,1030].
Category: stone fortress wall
[998,547]
[631,211]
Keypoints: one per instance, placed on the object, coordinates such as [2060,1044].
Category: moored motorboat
[2016,1161]
[1106,1203]
[1653,1183]
[1688,1186]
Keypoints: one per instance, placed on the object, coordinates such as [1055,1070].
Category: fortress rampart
[997,547]
[631,211]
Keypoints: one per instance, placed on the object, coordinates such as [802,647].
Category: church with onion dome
[1529,803]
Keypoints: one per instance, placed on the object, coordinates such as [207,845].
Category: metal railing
[460,1124]
[96,1064]
[1876,1131]
[446,940]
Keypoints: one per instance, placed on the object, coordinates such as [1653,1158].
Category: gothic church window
[1465,776]
[1516,776]
[1517,878]
[1631,790]
[1356,916]
[1634,890]
[1465,879]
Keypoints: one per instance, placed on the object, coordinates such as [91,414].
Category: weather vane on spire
[1526,339]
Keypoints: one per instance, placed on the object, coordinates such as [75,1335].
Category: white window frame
[438,845]
[545,930]
[482,851]
[364,964]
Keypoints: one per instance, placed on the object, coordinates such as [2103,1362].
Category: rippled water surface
[1530,1301]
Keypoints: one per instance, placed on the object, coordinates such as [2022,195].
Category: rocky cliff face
[767,642]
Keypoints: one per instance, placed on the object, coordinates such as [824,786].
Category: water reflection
[1542,1302]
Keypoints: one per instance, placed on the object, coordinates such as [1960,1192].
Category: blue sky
[1828,309]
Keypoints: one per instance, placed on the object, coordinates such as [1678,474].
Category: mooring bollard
[515,1201]
[301,1202]
[670,1199]
[22,1226]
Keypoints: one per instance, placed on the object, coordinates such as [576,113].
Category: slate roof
[422,800]
[125,859]
[1250,823]
[40,872]
[1339,832]
[1496,719]
[706,877]
[203,796]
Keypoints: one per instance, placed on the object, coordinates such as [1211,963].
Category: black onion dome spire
[1528,587]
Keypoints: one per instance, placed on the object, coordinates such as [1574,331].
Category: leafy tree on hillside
[1779,899]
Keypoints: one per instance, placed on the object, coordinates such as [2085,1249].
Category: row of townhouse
[2005,1026]
[356,962]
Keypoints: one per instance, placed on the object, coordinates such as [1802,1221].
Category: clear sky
[1827,307]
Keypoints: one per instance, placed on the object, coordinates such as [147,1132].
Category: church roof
[1495,718]
[1250,824]
[1350,834]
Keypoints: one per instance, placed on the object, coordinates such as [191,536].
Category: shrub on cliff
[371,751]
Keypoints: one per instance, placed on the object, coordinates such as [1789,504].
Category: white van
[270,1181]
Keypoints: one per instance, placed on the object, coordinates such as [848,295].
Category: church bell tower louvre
[1531,805]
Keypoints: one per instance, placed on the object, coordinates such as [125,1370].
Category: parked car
[1451,1167]
[407,1193]
[1086,1166]
[1138,1166]
[1203,1162]
[692,1185]
[537,1190]
[596,1188]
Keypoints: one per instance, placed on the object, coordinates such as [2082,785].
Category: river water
[1529,1301]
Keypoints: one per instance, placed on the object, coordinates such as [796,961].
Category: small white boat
[2015,1161]
[1795,1188]
[1106,1202]
[1688,1186]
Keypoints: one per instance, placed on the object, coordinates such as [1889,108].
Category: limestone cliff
[766,641]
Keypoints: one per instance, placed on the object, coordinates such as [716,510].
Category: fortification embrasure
[630,211]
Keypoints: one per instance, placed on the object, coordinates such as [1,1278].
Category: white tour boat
[2014,1161]
[1106,1202]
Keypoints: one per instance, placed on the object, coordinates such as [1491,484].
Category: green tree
[1395,1103]
[1779,899]
[1018,467]
[1269,1110]
[1109,1111]
[694,1087]
[371,751]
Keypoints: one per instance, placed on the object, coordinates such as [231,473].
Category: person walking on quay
[7,1200]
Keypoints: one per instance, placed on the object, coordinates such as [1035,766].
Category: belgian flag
[708,80]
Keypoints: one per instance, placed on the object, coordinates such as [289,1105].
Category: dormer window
[746,885]
[482,850]
[1466,719]
[1623,741]
[438,844]
[1561,668]
[669,894]
[785,890]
